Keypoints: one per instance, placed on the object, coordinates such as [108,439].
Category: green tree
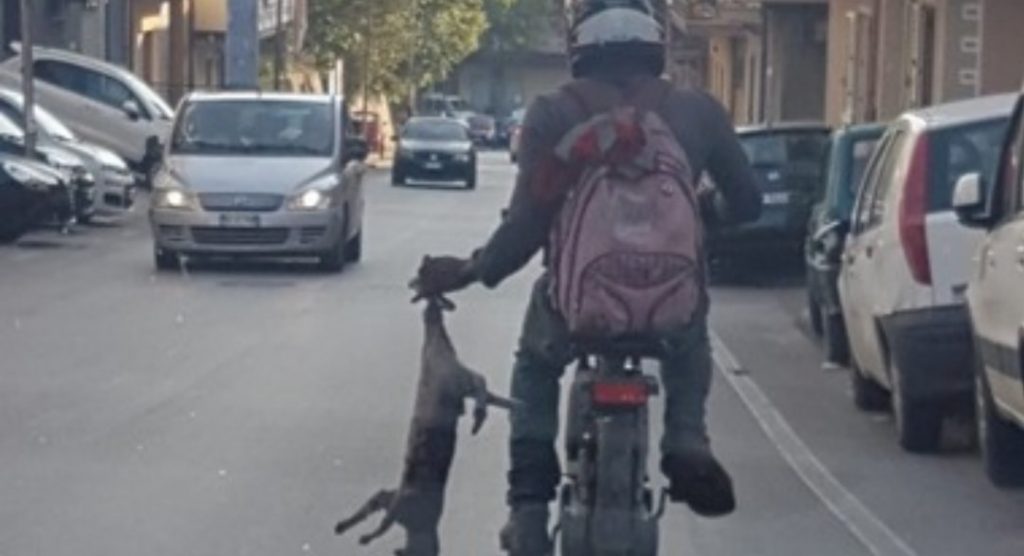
[395,46]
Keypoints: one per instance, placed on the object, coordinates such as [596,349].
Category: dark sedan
[787,159]
[848,156]
[30,192]
[434,150]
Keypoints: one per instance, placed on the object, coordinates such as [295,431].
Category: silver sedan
[260,175]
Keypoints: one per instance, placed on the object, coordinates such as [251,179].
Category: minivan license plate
[229,220]
[433,165]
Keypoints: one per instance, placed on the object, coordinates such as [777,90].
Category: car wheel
[355,248]
[918,423]
[471,179]
[335,258]
[397,177]
[1002,442]
[165,259]
[815,314]
[833,337]
[868,395]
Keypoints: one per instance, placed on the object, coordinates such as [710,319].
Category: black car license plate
[239,220]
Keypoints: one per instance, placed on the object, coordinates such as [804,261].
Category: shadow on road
[762,272]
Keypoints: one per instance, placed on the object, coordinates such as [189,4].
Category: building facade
[92,27]
[887,56]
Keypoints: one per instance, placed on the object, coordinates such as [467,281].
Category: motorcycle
[607,506]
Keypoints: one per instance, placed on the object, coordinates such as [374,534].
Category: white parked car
[995,301]
[906,265]
[103,103]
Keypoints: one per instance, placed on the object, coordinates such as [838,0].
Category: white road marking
[878,538]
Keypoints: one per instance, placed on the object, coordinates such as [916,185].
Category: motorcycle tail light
[620,394]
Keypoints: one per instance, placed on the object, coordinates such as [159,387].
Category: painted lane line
[878,538]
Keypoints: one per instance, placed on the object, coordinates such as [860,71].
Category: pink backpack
[626,249]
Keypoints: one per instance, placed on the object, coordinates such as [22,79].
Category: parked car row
[102,103]
[923,307]
[92,180]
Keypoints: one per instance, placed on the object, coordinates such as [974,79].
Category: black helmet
[609,29]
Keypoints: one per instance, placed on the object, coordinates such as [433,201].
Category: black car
[787,159]
[434,150]
[29,193]
[850,149]
[12,141]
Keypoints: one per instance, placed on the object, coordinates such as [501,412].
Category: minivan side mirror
[969,201]
[131,109]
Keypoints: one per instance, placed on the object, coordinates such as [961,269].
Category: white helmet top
[612,22]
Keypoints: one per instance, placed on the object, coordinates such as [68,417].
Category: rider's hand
[440,275]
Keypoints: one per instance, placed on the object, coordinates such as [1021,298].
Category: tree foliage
[517,24]
[394,46]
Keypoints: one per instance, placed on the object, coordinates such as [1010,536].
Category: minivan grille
[239,236]
[241,202]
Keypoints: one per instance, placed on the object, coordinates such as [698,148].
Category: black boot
[699,480]
[526,533]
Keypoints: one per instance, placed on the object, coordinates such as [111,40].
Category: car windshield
[435,131]
[860,154]
[963,150]
[458,105]
[263,127]
[10,128]
[156,104]
[786,148]
[52,125]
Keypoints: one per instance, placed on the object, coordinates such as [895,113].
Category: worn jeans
[544,353]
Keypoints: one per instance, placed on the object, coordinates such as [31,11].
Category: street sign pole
[27,77]
[242,46]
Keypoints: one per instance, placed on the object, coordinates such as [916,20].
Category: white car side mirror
[969,201]
[967,193]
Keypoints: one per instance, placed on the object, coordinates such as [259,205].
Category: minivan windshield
[256,127]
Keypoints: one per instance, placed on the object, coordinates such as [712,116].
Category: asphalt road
[240,410]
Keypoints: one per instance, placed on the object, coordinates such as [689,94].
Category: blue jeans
[544,353]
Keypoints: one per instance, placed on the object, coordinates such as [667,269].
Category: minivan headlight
[310,199]
[174,198]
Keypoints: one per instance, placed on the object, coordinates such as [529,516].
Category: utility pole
[242,45]
[28,77]
[279,45]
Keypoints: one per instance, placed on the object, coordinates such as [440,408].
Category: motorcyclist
[615,46]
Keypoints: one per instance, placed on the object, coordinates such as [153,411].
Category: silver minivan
[103,103]
[248,173]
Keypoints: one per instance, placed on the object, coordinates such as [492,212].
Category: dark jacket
[703,128]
